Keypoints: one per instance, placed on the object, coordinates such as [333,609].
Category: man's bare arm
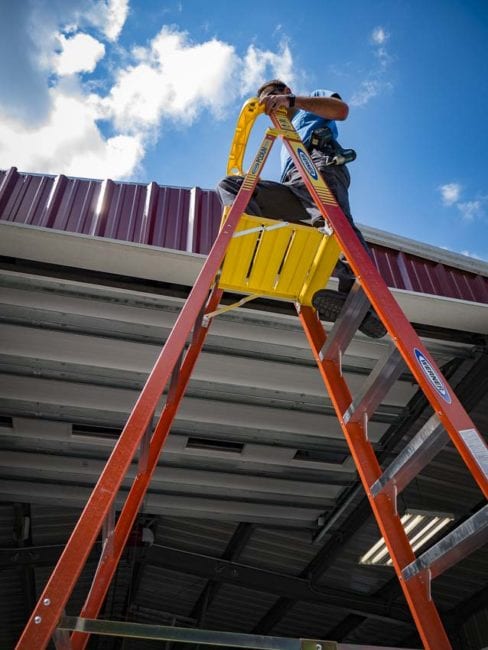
[330,108]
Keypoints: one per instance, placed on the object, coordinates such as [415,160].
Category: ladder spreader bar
[223,310]
[249,231]
[128,629]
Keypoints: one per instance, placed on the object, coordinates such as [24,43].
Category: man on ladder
[314,119]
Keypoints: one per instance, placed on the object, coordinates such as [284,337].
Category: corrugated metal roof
[406,271]
[169,217]
[279,550]
[308,620]
[188,220]
[236,609]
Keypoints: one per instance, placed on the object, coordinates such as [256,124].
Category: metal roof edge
[179,267]
[99,253]
[373,235]
[434,253]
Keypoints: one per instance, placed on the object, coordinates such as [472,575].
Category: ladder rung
[354,310]
[144,450]
[128,629]
[431,438]
[175,375]
[379,382]
[108,534]
[452,548]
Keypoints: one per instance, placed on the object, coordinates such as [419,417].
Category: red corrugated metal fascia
[146,214]
[406,271]
[188,220]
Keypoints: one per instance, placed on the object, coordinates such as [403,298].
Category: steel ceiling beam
[220,570]
[250,577]
[232,552]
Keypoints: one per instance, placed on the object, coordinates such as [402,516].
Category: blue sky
[150,91]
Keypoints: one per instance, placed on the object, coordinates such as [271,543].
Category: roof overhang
[180,268]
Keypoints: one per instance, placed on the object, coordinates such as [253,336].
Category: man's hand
[273,102]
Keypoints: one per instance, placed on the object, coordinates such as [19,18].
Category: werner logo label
[259,158]
[307,164]
[432,376]
[283,122]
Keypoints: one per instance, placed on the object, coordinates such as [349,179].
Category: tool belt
[323,140]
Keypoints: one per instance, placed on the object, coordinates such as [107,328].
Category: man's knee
[229,185]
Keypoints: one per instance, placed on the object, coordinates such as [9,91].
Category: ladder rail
[460,427]
[417,589]
[105,570]
[54,597]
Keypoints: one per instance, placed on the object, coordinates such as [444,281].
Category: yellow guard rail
[270,258]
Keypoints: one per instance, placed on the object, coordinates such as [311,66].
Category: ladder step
[352,314]
[431,438]
[452,548]
[374,389]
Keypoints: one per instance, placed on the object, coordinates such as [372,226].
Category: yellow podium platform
[276,259]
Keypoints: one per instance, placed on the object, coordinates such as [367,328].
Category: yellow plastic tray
[289,262]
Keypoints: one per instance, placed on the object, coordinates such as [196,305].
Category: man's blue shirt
[305,123]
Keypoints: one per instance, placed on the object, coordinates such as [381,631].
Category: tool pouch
[323,140]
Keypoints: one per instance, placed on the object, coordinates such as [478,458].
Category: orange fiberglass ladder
[261,257]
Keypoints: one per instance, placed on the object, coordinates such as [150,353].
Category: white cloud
[30,29]
[176,79]
[108,16]
[79,53]
[367,90]
[375,82]
[383,56]
[450,193]
[69,142]
[379,36]
[117,12]
[474,255]
[470,210]
[259,65]
[172,80]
